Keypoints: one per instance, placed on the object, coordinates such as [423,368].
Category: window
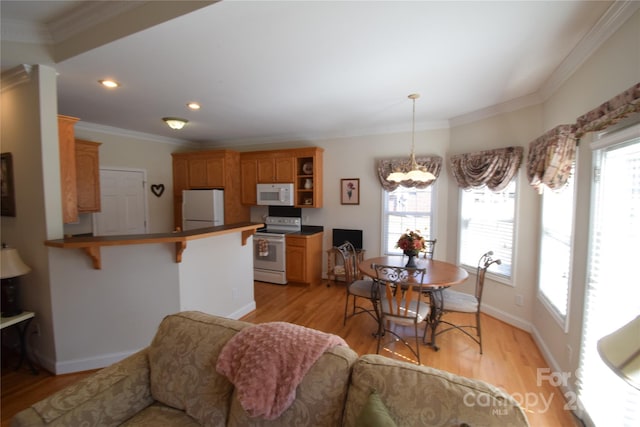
[613,296]
[487,224]
[406,208]
[555,249]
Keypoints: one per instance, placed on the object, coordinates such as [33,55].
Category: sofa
[174,382]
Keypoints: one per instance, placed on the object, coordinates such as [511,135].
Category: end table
[21,322]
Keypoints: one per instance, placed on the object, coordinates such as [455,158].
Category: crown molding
[609,23]
[85,16]
[95,127]
[16,76]
[88,15]
[19,31]
[494,110]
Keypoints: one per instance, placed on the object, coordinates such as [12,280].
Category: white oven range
[269,249]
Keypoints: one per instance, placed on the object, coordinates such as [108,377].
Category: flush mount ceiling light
[193,106]
[412,170]
[175,122]
[111,84]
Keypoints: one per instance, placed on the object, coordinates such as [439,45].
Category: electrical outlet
[519,300]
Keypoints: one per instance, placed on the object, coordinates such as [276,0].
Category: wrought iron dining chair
[429,248]
[402,302]
[356,286]
[450,301]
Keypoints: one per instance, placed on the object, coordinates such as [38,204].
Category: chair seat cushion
[459,301]
[362,288]
[422,312]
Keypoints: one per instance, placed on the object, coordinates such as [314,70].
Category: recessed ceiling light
[193,105]
[111,84]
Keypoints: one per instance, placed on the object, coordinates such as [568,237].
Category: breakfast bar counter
[91,244]
[108,305]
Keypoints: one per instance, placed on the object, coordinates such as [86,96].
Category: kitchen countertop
[92,244]
[310,229]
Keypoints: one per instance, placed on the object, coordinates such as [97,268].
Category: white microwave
[277,194]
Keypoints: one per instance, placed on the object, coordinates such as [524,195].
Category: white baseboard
[507,318]
[243,310]
[97,362]
[101,361]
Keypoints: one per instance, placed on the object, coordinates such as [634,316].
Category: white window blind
[406,209]
[487,224]
[613,291]
[556,248]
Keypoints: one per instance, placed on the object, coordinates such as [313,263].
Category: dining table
[438,276]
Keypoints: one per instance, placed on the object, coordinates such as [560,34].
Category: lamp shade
[621,352]
[12,265]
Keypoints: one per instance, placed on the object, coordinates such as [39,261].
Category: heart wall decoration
[157,189]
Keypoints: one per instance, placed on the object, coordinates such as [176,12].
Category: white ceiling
[303,70]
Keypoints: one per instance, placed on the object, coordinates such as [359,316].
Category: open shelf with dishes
[309,178]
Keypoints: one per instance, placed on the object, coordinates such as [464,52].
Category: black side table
[21,322]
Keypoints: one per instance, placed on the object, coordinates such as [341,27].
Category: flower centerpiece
[411,244]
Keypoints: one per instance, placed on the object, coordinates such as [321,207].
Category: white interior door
[123,199]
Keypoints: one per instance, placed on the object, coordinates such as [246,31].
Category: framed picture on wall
[7,195]
[350,191]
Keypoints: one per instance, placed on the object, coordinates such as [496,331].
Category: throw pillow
[374,413]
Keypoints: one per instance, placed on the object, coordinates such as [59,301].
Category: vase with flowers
[411,244]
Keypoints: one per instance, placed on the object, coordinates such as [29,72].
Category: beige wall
[29,131]
[128,150]
[614,68]
[510,129]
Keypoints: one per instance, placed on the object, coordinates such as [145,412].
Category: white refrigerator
[202,208]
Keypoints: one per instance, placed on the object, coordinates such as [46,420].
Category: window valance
[551,157]
[493,168]
[432,164]
[611,112]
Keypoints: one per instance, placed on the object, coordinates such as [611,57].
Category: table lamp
[621,352]
[11,268]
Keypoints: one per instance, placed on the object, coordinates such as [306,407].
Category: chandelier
[411,171]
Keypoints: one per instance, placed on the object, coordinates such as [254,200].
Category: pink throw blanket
[266,363]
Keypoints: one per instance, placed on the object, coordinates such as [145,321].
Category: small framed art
[350,191]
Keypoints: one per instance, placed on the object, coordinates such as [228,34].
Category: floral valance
[493,168]
[432,164]
[611,112]
[551,158]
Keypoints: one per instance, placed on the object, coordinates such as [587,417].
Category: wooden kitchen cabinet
[180,175]
[207,172]
[88,175]
[274,168]
[68,181]
[300,166]
[304,258]
[264,167]
[249,180]
[209,169]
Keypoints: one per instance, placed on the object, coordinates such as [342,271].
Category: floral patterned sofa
[174,382]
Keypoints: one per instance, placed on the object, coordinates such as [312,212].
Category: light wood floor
[510,358]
